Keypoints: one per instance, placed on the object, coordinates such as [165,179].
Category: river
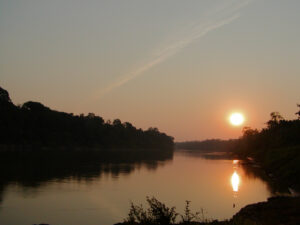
[102,194]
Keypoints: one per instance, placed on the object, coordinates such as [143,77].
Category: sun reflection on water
[235,161]
[235,181]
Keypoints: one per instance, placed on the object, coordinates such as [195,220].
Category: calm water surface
[220,187]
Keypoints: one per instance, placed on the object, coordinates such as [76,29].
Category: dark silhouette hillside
[34,124]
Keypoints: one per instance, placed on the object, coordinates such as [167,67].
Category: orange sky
[181,67]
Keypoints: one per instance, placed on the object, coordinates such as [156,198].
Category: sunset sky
[181,66]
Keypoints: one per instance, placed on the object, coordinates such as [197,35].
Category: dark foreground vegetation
[35,125]
[276,211]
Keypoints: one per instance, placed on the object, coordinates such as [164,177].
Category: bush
[159,214]
[189,217]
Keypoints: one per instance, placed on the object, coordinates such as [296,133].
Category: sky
[181,66]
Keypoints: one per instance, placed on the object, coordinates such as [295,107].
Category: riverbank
[281,165]
[275,211]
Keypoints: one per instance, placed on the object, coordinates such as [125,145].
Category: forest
[276,148]
[33,125]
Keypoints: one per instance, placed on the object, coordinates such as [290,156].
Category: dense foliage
[34,124]
[278,133]
[276,148]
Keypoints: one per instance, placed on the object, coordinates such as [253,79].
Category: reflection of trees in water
[33,169]
[1,193]
[251,170]
[205,154]
[274,187]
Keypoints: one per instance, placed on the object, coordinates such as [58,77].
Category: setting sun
[236,119]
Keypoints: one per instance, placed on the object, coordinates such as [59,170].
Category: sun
[236,119]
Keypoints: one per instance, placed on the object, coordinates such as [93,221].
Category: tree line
[33,124]
[276,147]
[214,145]
[278,133]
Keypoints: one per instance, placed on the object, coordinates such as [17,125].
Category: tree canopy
[35,124]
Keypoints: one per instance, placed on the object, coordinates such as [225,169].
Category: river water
[102,193]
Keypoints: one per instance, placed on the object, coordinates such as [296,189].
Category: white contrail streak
[199,31]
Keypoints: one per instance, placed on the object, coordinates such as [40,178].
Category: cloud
[214,20]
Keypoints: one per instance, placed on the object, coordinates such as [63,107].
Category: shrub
[157,213]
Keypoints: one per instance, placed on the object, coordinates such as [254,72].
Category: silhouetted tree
[4,96]
[117,123]
[248,132]
[298,113]
[275,119]
[34,106]
[38,125]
